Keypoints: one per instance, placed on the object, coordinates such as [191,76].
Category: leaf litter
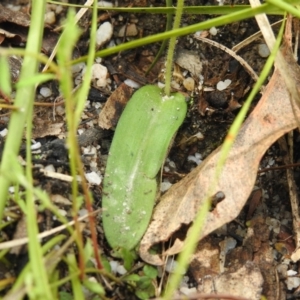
[272,117]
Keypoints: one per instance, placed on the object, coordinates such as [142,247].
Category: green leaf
[145,288]
[94,287]
[150,271]
[142,138]
[132,277]
[128,256]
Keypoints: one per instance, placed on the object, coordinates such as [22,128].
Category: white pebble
[60,110]
[50,17]
[58,9]
[263,50]
[99,73]
[4,132]
[189,84]
[78,68]
[36,146]
[11,189]
[132,83]
[195,158]
[113,265]
[198,33]
[291,272]
[93,178]
[90,150]
[292,282]
[49,168]
[121,270]
[82,212]
[104,33]
[188,291]
[172,164]
[105,4]
[45,92]
[222,85]
[213,31]
[165,185]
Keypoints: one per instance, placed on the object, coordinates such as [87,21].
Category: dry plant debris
[273,117]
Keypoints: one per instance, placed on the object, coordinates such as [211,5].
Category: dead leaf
[44,128]
[272,117]
[114,106]
[245,282]
[18,18]
[253,203]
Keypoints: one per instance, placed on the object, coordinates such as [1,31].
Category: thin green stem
[170,55]
[24,100]
[164,43]
[222,20]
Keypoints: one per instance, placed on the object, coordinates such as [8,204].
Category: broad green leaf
[142,138]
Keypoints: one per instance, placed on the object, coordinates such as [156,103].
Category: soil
[263,232]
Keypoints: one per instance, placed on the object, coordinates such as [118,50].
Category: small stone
[105,4]
[93,178]
[132,83]
[222,85]
[36,146]
[104,33]
[165,185]
[188,291]
[4,132]
[189,84]
[99,73]
[58,9]
[263,50]
[189,60]
[213,31]
[45,92]
[121,270]
[78,68]
[50,17]
[131,30]
[292,282]
[291,273]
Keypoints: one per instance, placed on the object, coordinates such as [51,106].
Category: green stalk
[164,43]
[24,100]
[195,10]
[170,55]
[219,21]
[67,42]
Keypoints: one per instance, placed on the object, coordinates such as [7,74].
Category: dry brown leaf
[114,106]
[272,117]
[245,282]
